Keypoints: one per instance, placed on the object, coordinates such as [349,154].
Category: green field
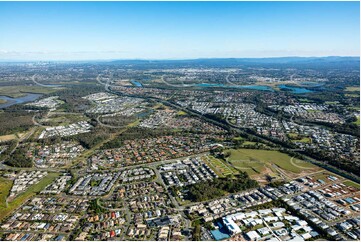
[5,186]
[353,89]
[249,143]
[19,91]
[63,119]
[304,100]
[181,113]
[219,167]
[296,138]
[292,135]
[252,167]
[257,160]
[332,102]
[352,184]
[357,121]
[324,176]
[303,140]
[21,198]
[352,95]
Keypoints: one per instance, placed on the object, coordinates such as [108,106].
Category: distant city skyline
[177,30]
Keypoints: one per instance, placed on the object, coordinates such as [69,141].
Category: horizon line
[172,59]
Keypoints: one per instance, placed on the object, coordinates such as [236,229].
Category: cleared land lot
[5,210]
[258,161]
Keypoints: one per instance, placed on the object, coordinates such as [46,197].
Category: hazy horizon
[77,31]
[177,59]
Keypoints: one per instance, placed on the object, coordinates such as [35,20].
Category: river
[12,101]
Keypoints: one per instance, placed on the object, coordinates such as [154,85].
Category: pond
[144,113]
[137,84]
[12,101]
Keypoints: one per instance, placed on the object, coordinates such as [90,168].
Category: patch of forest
[219,187]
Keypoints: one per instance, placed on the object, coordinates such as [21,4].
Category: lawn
[258,159]
[249,143]
[352,184]
[21,198]
[303,140]
[292,135]
[181,113]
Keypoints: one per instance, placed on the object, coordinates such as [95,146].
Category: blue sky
[176,30]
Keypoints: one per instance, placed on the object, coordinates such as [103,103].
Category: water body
[253,87]
[312,84]
[12,101]
[51,85]
[137,84]
[144,114]
[295,90]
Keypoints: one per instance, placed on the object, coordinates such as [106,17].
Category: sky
[177,30]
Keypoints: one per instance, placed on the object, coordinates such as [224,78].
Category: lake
[253,87]
[296,90]
[312,84]
[12,101]
[137,84]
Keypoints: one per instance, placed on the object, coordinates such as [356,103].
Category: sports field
[256,161]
